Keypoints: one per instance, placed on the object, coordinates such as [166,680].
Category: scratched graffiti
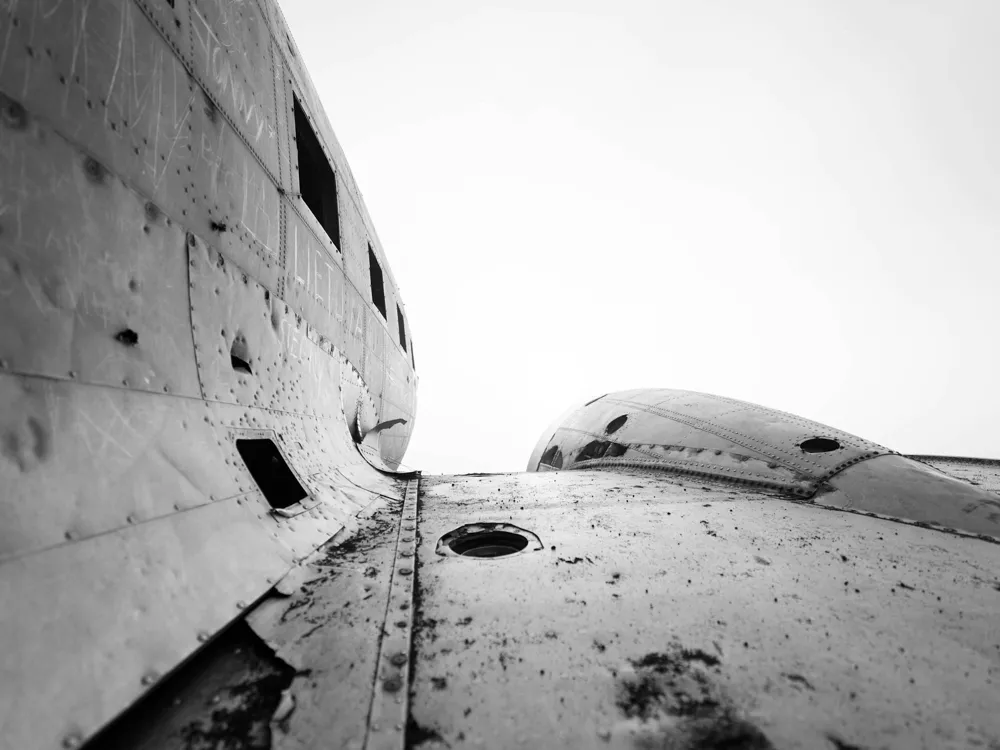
[236,182]
[217,52]
[310,268]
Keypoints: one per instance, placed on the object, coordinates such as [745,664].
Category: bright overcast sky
[793,203]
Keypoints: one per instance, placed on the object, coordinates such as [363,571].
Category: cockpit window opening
[412,360]
[378,288]
[402,328]
[317,181]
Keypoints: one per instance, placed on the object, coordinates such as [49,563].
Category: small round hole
[616,424]
[819,445]
[488,544]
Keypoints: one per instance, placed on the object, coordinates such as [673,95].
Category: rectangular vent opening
[270,471]
[378,288]
[402,328]
[317,182]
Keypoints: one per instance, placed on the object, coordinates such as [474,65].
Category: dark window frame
[402,326]
[317,178]
[376,281]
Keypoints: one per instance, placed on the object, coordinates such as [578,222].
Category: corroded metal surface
[666,612]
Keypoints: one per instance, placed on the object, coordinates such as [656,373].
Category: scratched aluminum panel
[92,277]
[231,52]
[375,346]
[314,276]
[231,312]
[354,246]
[231,201]
[354,323]
[102,75]
[77,461]
[172,18]
[119,610]
[284,118]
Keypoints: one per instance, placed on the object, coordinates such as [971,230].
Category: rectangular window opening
[402,328]
[317,182]
[270,471]
[378,289]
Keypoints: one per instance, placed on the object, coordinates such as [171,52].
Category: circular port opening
[819,445]
[488,544]
[488,540]
[616,424]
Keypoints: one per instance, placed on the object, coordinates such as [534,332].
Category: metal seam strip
[390,693]
[787,460]
[753,480]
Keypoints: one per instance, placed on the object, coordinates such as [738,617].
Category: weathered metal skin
[703,435]
[671,611]
[166,291]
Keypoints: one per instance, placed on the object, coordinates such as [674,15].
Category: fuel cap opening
[487,540]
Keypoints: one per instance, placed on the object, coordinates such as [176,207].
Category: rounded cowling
[722,438]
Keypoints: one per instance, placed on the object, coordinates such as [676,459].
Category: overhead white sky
[793,203]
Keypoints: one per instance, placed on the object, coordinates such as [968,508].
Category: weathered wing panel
[644,610]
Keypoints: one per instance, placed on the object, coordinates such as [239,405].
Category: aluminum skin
[702,435]
[176,302]
[166,292]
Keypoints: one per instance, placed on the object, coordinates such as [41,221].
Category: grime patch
[673,699]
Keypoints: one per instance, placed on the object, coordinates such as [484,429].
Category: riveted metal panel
[314,281]
[118,611]
[231,199]
[354,246]
[375,344]
[103,76]
[695,420]
[77,461]
[231,50]
[316,452]
[233,315]
[900,487]
[355,320]
[172,18]
[284,119]
[359,406]
[92,276]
